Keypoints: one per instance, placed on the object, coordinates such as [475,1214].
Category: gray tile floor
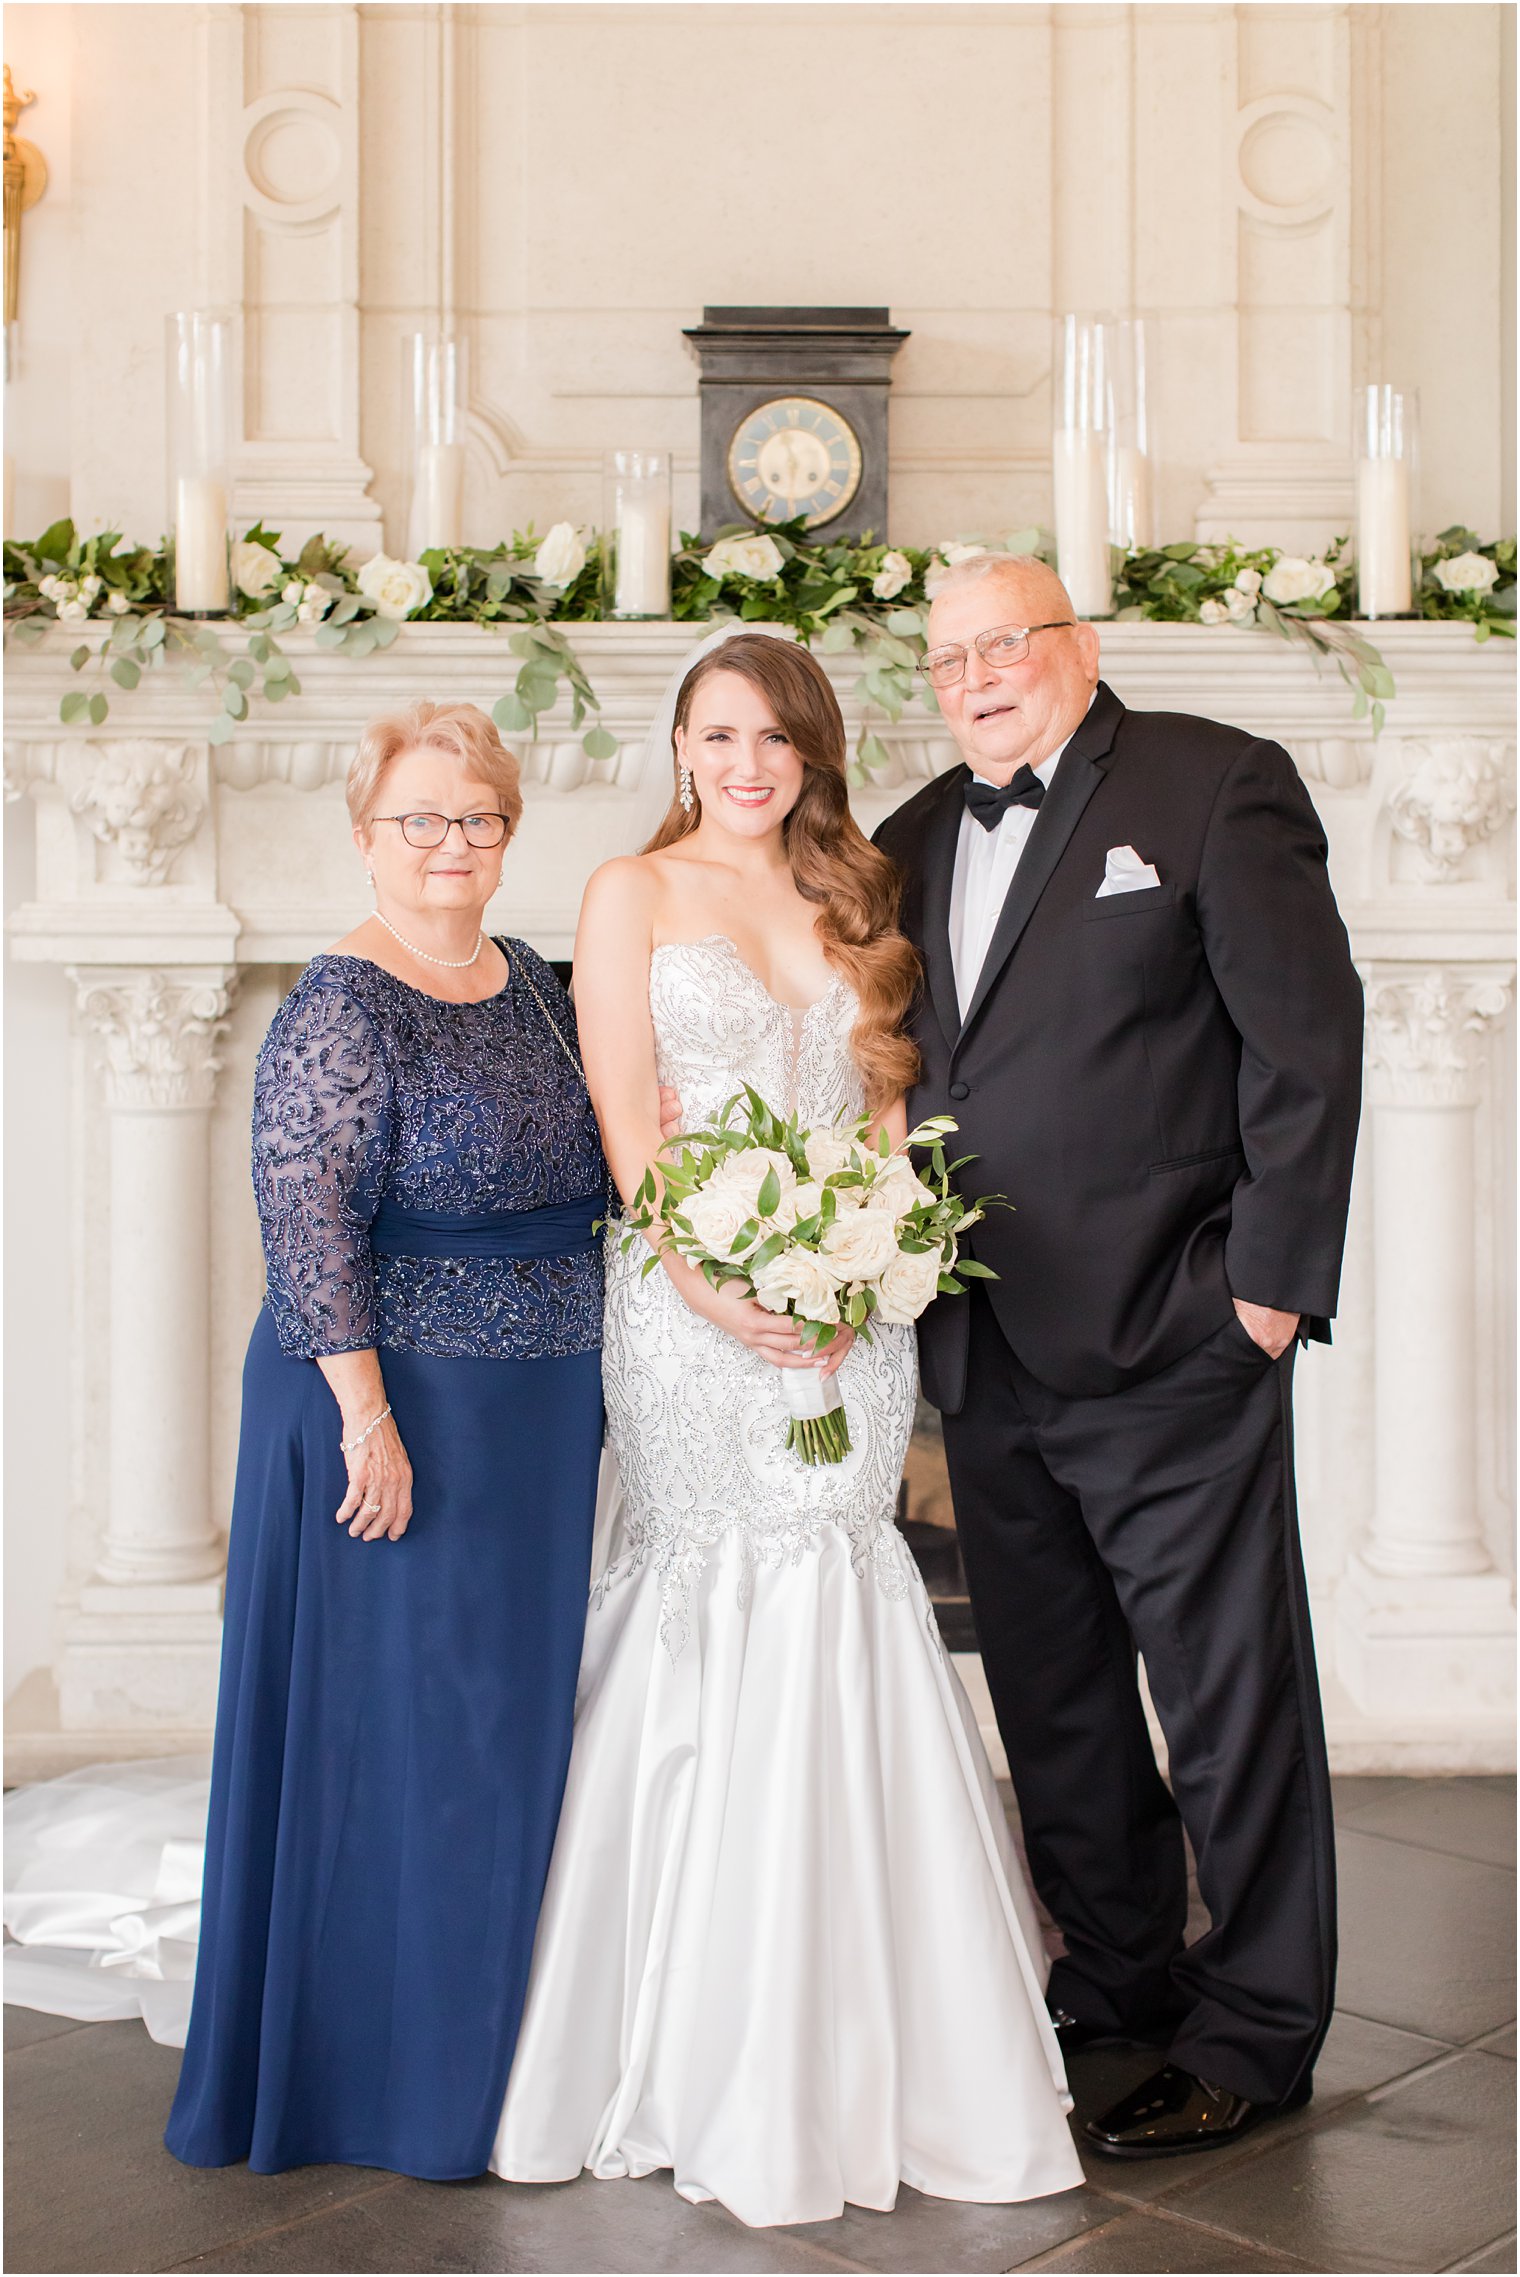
[1404,2161]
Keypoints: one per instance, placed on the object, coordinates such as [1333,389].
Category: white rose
[395,587]
[757,558]
[1213,613]
[827,1151]
[743,1173]
[89,588]
[311,612]
[804,1200]
[1240,608]
[119,605]
[57,589]
[255,570]
[1292,578]
[800,1280]
[1467,573]
[954,554]
[895,572]
[1248,581]
[861,1245]
[715,1219]
[897,1186]
[908,1284]
[296,591]
[561,557]
[72,612]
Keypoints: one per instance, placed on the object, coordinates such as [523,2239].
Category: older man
[1141,1009]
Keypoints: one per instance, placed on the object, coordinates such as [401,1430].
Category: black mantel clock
[794,416]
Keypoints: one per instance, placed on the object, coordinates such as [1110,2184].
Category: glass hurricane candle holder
[636,533]
[200,364]
[1131,512]
[436,393]
[1081,447]
[1387,503]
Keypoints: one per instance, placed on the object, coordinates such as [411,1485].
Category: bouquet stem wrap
[819,1430]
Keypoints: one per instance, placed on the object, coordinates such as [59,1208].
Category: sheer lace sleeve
[322,1123]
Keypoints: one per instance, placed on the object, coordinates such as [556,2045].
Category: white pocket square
[1124,872]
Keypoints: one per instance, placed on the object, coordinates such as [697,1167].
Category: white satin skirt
[787,1949]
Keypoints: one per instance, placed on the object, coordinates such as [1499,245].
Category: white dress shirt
[985,861]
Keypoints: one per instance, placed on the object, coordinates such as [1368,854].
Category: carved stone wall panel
[1456,798]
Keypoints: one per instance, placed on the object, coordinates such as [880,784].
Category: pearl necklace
[450,964]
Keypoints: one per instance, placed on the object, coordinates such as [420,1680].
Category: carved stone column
[1426,1624]
[144,1644]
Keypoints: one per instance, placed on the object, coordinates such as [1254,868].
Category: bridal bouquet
[821,1224]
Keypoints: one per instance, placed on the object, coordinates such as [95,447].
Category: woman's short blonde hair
[461,731]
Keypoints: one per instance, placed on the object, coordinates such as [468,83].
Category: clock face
[794,455]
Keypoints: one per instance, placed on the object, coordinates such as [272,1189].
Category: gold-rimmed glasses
[999,645]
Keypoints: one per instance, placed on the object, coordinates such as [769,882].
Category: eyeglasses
[1003,644]
[426,830]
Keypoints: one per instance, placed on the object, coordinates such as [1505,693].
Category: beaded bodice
[368,1091]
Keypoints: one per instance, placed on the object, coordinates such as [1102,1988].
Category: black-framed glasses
[423,831]
[1000,645]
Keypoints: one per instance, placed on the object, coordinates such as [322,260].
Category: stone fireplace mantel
[177,884]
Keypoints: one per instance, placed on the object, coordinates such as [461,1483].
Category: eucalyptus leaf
[79,659]
[599,743]
[234,702]
[125,673]
[511,715]
[220,730]
[242,672]
[99,707]
[74,706]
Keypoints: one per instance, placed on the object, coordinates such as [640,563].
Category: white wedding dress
[786,1948]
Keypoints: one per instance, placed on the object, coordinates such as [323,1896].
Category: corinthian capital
[1425,1028]
[157,1033]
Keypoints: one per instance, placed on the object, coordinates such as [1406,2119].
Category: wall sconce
[25,181]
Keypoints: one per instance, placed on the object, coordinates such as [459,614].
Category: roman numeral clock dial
[791,456]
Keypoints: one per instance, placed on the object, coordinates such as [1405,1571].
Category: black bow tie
[989,804]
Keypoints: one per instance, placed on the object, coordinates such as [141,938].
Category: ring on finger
[371,1505]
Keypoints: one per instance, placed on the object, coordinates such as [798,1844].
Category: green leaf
[234,702]
[969,1266]
[599,743]
[835,639]
[125,673]
[99,707]
[769,1195]
[276,665]
[79,659]
[220,729]
[74,706]
[258,648]
[511,715]
[385,630]
[275,691]
[152,633]
[242,672]
[57,541]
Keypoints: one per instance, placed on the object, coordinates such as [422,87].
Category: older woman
[411,1527]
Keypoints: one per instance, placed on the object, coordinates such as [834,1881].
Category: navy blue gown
[394,1721]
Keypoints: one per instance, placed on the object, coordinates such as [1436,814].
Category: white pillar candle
[200,546]
[643,555]
[438,498]
[1384,586]
[1081,505]
[1132,496]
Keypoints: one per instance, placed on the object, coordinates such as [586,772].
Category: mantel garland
[848,596]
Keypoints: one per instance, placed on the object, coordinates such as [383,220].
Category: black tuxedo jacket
[1164,1083]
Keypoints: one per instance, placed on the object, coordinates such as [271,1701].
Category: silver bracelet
[347,1446]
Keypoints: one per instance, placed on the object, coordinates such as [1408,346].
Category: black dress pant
[1160,1518]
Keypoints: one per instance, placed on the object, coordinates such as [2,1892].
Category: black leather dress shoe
[1173,2113]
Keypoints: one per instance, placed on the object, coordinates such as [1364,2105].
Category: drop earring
[371,876]
[688,796]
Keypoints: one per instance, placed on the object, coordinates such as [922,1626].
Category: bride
[786,1949]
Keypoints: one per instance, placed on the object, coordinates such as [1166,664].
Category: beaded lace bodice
[369,1091]
[695,1418]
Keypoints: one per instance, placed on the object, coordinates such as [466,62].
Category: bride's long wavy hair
[856,886]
